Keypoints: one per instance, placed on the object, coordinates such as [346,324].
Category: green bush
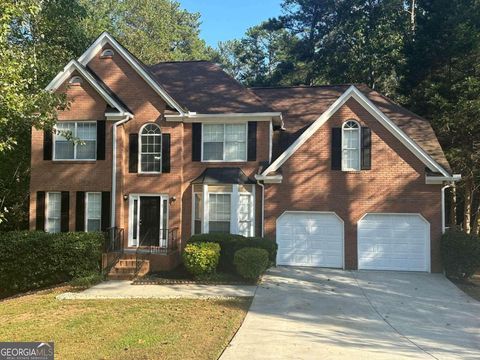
[251,262]
[31,260]
[460,254]
[201,258]
[229,244]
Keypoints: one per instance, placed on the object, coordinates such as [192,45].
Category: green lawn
[123,329]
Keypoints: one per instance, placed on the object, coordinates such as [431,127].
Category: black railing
[169,242]
[113,244]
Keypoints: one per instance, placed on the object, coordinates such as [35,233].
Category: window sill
[149,174]
[65,161]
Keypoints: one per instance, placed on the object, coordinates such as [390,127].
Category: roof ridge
[299,86]
[179,61]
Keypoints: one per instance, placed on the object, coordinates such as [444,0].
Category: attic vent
[107,53]
[75,80]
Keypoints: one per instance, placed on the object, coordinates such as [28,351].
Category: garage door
[310,239]
[394,242]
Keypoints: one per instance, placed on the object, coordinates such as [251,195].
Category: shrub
[31,260]
[460,254]
[230,243]
[201,258]
[251,262]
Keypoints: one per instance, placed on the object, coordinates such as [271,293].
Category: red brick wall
[396,183]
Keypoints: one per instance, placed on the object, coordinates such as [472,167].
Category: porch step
[125,269]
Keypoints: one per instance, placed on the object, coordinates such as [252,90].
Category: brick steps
[125,269]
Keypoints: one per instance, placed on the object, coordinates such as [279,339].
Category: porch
[122,262]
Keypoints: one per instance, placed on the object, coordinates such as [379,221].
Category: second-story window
[350,146]
[75,140]
[150,149]
[224,142]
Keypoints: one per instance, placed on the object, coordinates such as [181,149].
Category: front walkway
[119,289]
[308,313]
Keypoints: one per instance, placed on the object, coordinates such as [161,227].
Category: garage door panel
[393,242]
[310,239]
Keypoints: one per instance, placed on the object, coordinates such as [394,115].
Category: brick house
[339,176]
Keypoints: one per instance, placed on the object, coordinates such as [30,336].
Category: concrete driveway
[307,313]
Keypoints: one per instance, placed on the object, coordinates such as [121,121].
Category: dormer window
[75,80]
[107,53]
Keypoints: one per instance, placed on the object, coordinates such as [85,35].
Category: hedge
[251,262]
[32,260]
[230,243]
[460,253]
[201,258]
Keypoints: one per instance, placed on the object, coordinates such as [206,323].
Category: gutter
[263,206]
[444,228]
[113,198]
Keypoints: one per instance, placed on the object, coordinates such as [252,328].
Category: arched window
[350,145]
[75,80]
[107,53]
[150,148]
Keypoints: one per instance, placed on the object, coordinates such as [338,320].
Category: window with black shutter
[106,207]
[336,149]
[366,147]
[80,211]
[196,142]
[65,208]
[166,153]
[47,145]
[40,213]
[252,141]
[133,153]
[101,140]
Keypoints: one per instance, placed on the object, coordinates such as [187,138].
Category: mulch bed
[470,287]
[180,275]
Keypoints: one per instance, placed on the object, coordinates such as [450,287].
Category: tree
[153,30]
[442,83]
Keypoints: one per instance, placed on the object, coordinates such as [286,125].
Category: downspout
[114,169]
[263,206]
[443,206]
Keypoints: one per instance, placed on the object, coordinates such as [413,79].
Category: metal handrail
[113,243]
[143,249]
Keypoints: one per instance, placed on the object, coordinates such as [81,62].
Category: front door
[149,220]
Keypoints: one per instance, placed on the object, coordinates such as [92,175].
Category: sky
[229,19]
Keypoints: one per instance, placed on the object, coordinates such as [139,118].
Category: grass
[123,329]
[470,287]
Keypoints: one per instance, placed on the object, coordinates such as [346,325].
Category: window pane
[213,132]
[219,212]
[87,150]
[87,131]
[53,212]
[212,151]
[351,139]
[235,132]
[235,142]
[219,227]
[235,151]
[150,162]
[93,225]
[64,149]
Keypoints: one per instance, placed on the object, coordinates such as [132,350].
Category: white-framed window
[107,53]
[75,80]
[227,208]
[150,149]
[219,212]
[75,140]
[350,146]
[224,142]
[93,211]
[54,211]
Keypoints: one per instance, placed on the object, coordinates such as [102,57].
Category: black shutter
[165,153]
[133,153]
[336,149]
[101,140]
[64,214]
[105,210]
[47,145]
[196,142]
[366,146]
[40,215]
[80,211]
[252,141]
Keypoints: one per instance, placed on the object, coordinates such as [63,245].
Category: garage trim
[317,212]
[428,235]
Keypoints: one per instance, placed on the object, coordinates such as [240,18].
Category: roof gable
[136,64]
[362,99]
[101,88]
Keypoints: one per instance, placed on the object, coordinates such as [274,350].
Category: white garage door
[394,242]
[310,239]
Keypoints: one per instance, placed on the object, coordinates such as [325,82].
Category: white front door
[148,220]
[310,239]
[394,242]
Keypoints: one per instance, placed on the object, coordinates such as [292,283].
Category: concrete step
[125,269]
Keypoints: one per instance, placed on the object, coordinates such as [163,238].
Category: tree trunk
[476,221]
[467,209]
[412,16]
[453,207]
